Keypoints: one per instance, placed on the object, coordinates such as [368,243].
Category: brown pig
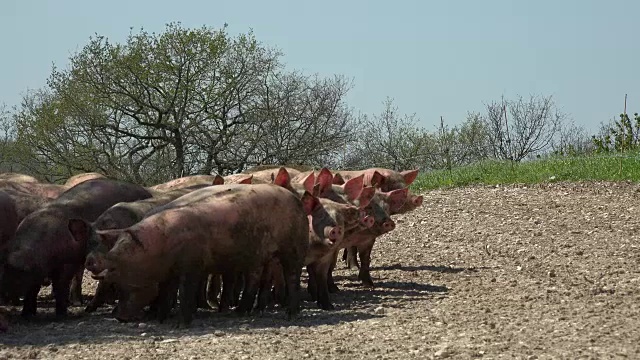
[47,245]
[121,216]
[80,178]
[20,178]
[215,229]
[188,181]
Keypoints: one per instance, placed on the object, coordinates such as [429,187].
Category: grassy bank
[597,167]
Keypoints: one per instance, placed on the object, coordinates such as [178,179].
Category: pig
[187,181]
[386,180]
[238,179]
[49,191]
[121,216]
[46,244]
[9,222]
[382,205]
[268,174]
[20,178]
[215,229]
[80,178]
[23,205]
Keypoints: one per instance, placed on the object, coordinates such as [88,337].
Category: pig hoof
[327,307]
[91,308]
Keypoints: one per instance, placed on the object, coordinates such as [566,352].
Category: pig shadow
[45,330]
[434,268]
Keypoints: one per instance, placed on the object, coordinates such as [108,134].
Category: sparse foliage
[182,102]
[619,136]
[388,140]
[522,127]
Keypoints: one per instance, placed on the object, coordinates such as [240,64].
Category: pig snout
[417,201]
[367,221]
[388,225]
[333,233]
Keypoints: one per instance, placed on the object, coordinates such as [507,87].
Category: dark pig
[47,244]
[120,216]
[216,229]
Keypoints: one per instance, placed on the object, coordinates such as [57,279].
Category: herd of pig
[202,241]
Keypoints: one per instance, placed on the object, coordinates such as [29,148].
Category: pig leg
[251,285]
[238,284]
[279,286]
[321,269]
[61,283]
[213,289]
[189,286]
[226,298]
[364,251]
[30,303]
[312,287]
[333,288]
[165,300]
[102,292]
[266,283]
[75,297]
[350,257]
[202,292]
[291,271]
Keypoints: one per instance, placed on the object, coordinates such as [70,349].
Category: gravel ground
[548,271]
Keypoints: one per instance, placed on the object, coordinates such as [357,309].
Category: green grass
[587,168]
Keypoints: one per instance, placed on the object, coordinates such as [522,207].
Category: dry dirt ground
[549,271]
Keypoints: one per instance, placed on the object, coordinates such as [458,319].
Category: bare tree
[389,140]
[522,127]
[572,139]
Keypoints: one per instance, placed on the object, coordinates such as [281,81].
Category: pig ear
[218,180]
[337,179]
[80,229]
[396,199]
[353,187]
[377,179]
[309,202]
[325,178]
[134,238]
[409,176]
[309,181]
[247,180]
[366,195]
[283,178]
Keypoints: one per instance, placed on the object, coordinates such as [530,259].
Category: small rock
[218,333]
[552,273]
[144,334]
[166,341]
[142,325]
[379,311]
[443,352]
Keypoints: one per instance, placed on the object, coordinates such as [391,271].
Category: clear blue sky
[433,57]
